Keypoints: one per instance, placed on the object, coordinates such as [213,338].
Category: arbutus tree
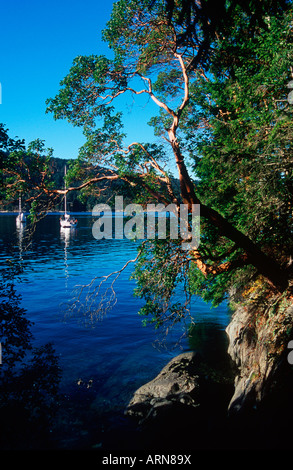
[199,72]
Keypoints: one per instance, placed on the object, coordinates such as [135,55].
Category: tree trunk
[265,265]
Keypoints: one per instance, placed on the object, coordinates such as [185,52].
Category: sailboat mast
[65,199]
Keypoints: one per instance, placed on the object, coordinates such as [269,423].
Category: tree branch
[215,269]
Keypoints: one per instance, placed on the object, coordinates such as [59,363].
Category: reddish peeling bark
[253,255]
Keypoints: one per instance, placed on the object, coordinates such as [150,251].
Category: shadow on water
[83,408]
[35,415]
[29,377]
[89,414]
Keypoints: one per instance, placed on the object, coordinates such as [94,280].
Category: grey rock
[176,384]
[258,337]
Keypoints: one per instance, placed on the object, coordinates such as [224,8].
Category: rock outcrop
[259,332]
[252,414]
[176,384]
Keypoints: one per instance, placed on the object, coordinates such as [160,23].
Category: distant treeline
[80,201]
[76,202]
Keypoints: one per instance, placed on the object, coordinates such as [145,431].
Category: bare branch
[87,183]
[161,104]
[186,83]
[97,302]
[215,269]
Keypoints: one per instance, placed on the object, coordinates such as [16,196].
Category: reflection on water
[66,234]
[102,365]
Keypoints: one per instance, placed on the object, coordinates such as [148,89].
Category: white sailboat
[21,217]
[67,221]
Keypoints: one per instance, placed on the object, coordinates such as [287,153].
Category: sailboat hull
[21,219]
[67,221]
[66,224]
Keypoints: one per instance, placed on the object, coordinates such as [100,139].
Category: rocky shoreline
[181,408]
[177,384]
[184,406]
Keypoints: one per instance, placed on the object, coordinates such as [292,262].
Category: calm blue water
[103,360]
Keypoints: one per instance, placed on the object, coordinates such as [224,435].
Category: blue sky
[39,40]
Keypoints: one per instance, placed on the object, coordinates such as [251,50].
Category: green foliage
[25,173]
[219,76]
[243,156]
[218,72]
[10,152]
[160,273]
[245,162]
[14,346]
